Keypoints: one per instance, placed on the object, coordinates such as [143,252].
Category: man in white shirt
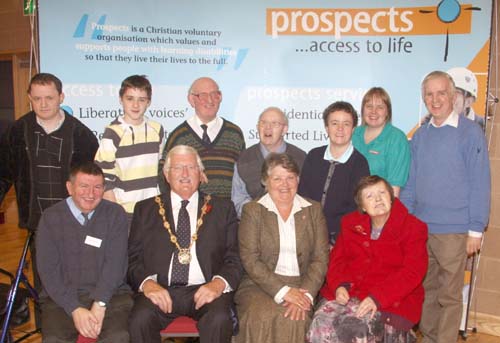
[183,255]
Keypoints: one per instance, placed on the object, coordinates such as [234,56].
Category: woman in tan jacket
[284,249]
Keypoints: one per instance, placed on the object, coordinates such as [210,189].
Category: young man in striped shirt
[130,148]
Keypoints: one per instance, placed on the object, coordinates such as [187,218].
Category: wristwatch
[101,303]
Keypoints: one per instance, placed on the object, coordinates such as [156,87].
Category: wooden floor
[11,245]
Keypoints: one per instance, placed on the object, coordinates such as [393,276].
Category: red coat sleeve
[339,271]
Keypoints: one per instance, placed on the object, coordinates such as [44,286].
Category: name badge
[374,152]
[95,242]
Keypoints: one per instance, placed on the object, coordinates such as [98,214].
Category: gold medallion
[184,256]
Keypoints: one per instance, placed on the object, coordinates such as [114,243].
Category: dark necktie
[180,272]
[205,137]
[85,218]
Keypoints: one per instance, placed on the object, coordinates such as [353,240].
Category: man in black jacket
[37,152]
[183,255]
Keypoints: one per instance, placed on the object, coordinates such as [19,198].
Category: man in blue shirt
[449,189]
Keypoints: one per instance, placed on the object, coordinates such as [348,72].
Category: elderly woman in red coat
[373,290]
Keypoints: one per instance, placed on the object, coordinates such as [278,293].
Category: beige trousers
[442,309]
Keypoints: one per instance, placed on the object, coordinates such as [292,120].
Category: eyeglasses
[179,168]
[273,124]
[204,96]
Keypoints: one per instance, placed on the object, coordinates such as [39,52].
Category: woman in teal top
[384,146]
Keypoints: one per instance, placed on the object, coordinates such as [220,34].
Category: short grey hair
[182,150]
[437,74]
[275,109]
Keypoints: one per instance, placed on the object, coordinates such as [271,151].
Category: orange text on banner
[364,22]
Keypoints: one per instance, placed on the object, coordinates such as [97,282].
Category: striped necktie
[205,137]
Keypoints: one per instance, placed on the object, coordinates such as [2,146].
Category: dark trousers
[58,326]
[214,319]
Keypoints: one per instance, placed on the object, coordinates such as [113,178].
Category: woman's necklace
[376,231]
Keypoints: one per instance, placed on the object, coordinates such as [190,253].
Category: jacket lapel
[271,225]
[203,241]
[301,222]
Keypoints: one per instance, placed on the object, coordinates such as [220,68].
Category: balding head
[205,97]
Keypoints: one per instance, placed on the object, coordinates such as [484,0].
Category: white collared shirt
[342,159]
[213,126]
[195,274]
[287,260]
[452,120]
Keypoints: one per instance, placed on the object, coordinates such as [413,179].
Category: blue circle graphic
[448,11]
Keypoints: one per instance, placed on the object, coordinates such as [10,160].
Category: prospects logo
[363,22]
[448,11]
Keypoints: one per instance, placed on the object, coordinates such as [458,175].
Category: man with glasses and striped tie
[218,141]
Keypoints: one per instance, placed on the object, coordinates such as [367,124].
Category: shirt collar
[176,200]
[209,125]
[452,120]
[281,149]
[76,212]
[342,159]
[298,204]
[121,120]
[62,116]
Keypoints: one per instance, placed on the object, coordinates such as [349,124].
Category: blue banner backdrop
[295,54]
